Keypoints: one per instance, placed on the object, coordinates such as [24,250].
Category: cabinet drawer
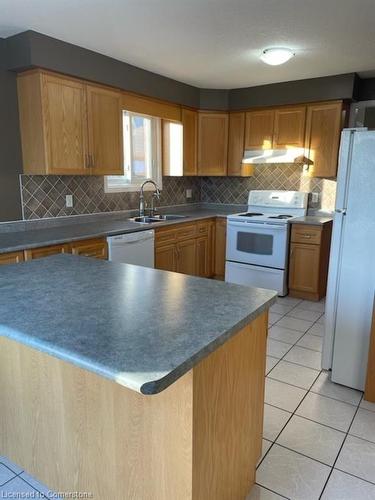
[203,228]
[90,248]
[165,237]
[306,234]
[11,258]
[187,231]
[39,253]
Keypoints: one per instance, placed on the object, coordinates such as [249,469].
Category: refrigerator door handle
[341,211]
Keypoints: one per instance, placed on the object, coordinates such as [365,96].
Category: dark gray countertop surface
[313,220]
[140,327]
[33,238]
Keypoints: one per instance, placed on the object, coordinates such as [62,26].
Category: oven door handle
[253,225]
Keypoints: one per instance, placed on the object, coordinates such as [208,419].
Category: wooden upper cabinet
[212,143]
[236,143]
[323,128]
[68,127]
[259,129]
[190,141]
[104,130]
[289,127]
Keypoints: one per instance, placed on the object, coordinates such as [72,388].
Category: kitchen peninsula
[129,382]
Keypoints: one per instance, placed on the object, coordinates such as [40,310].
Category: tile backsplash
[271,176]
[44,196]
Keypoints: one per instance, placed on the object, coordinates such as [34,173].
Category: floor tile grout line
[303,455]
[353,475]
[293,385]
[272,491]
[286,423]
[12,478]
[340,449]
[36,489]
[11,470]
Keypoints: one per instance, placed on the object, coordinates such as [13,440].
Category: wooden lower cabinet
[39,253]
[220,247]
[96,248]
[186,257]
[308,261]
[187,248]
[166,257]
[11,258]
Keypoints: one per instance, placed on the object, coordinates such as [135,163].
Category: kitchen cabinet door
[220,247]
[38,253]
[236,143]
[289,128]
[323,128]
[212,143]
[304,267]
[259,129]
[104,131]
[166,257]
[11,258]
[190,141]
[203,257]
[64,112]
[186,257]
[96,248]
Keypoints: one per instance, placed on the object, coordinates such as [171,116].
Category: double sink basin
[157,218]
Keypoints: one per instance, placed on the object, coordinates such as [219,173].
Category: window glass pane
[175,149]
[260,244]
[141,146]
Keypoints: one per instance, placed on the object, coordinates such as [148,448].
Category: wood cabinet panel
[220,247]
[38,253]
[212,143]
[186,257]
[259,129]
[11,258]
[302,233]
[370,375]
[323,129]
[236,143]
[289,127]
[203,264]
[104,130]
[96,248]
[304,267]
[65,125]
[166,257]
[186,231]
[189,119]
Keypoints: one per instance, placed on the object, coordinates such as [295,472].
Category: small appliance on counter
[258,240]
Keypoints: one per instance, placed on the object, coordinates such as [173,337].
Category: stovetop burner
[251,214]
[281,216]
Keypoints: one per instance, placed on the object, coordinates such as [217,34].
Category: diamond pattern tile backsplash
[44,196]
[271,176]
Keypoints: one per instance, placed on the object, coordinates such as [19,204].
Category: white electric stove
[258,240]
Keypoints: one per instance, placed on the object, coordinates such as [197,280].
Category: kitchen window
[142,153]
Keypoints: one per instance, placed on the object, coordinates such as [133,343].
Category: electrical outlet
[189,193]
[69,201]
[315,197]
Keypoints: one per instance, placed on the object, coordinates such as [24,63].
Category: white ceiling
[210,43]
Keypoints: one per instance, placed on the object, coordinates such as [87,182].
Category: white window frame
[156,168]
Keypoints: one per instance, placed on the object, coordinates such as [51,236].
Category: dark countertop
[140,327]
[20,240]
[313,220]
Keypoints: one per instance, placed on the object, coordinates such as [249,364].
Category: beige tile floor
[319,437]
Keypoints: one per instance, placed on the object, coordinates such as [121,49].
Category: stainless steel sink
[158,218]
[170,217]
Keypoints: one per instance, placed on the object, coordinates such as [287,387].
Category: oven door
[258,244]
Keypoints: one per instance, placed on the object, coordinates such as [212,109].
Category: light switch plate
[189,193]
[69,201]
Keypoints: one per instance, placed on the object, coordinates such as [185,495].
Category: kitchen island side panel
[77,431]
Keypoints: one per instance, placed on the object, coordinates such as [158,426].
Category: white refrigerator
[351,278]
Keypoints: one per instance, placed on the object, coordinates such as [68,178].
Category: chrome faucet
[156,194]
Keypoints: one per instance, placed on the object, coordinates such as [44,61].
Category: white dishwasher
[132,248]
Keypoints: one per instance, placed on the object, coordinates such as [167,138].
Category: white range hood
[290,155]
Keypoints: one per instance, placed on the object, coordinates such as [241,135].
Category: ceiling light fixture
[276,56]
